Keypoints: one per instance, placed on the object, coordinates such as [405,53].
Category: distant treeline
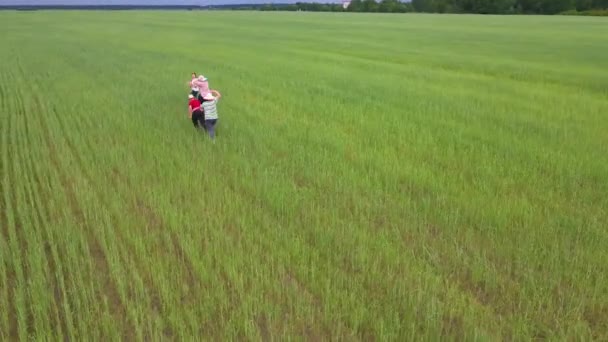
[570,7]
[385,6]
[581,7]
[508,6]
[95,7]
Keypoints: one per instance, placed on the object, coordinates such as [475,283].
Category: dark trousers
[198,119]
[210,127]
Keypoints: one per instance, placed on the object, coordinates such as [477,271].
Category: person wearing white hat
[210,111]
[195,113]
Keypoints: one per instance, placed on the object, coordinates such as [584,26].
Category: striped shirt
[210,109]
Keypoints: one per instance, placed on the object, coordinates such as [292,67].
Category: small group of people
[202,104]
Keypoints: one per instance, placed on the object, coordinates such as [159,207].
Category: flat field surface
[381,177]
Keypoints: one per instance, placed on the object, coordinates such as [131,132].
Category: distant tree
[336,7]
[419,5]
[387,6]
[292,7]
[583,5]
[370,6]
[484,7]
[355,6]
[600,4]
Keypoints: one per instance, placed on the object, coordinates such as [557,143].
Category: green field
[387,177]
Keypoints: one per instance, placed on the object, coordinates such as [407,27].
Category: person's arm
[189,111]
[216,94]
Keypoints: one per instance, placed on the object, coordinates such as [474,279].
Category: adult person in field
[210,111]
[195,113]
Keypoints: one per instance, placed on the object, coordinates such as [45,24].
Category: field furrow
[46,221]
[120,305]
[4,292]
[39,301]
[8,259]
[149,221]
[109,292]
[56,255]
[131,243]
[17,210]
[5,253]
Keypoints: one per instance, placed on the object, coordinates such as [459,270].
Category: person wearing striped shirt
[210,111]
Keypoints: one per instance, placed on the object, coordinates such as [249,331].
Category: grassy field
[381,177]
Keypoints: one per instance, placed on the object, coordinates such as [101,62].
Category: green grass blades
[387,177]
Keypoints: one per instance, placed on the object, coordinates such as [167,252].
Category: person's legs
[197,119]
[210,125]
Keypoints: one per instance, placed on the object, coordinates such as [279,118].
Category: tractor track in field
[191,277]
[233,297]
[35,192]
[4,94]
[153,220]
[4,156]
[3,220]
[289,279]
[53,259]
[4,183]
[23,160]
[429,247]
[312,333]
[55,276]
[108,288]
[156,222]
[17,228]
[7,196]
[149,283]
[56,312]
